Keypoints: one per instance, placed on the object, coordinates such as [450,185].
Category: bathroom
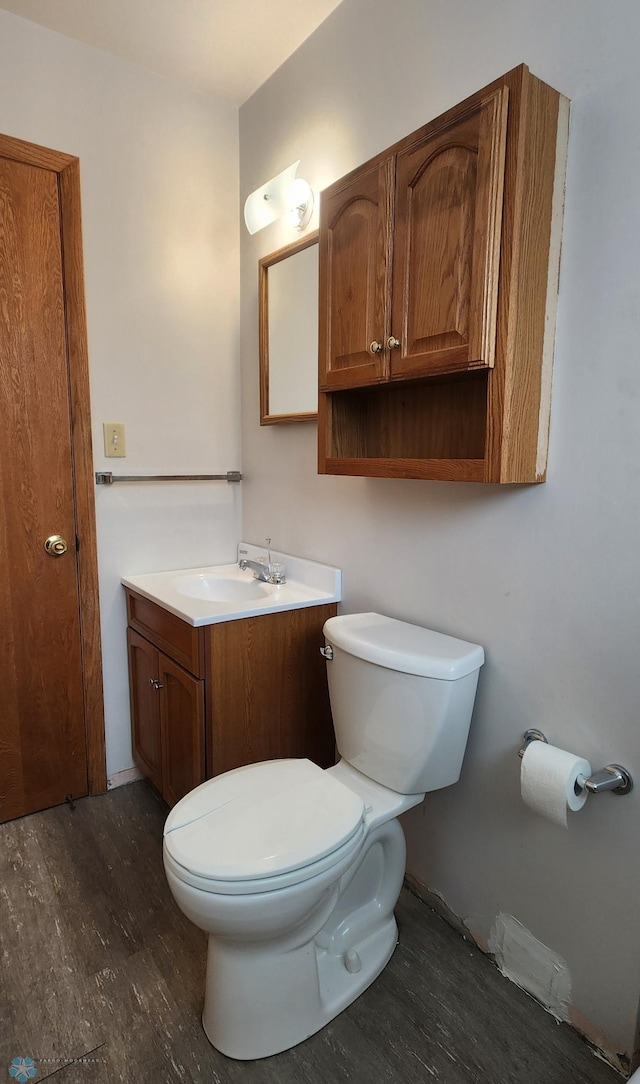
[542,576]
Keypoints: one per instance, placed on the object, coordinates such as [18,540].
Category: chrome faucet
[267,571]
[260,569]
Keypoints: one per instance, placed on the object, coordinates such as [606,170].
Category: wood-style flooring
[99,964]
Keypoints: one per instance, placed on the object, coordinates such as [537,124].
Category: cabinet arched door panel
[449,189]
[355,280]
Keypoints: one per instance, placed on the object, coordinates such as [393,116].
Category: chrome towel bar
[106,478]
[614,777]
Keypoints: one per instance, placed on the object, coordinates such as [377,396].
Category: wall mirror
[289,333]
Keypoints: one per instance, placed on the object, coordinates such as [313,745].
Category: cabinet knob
[155,683]
[376,347]
[393,343]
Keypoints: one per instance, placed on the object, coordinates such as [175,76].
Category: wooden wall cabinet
[206,700]
[438,274]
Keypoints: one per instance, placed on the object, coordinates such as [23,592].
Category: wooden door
[144,691]
[182,728]
[449,188]
[49,681]
[355,278]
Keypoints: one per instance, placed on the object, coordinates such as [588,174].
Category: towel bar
[106,478]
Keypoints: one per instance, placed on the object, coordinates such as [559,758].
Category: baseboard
[119,779]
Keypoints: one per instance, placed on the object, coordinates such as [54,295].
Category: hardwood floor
[98,963]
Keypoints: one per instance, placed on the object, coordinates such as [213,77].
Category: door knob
[376,347]
[55,545]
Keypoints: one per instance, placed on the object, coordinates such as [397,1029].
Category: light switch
[114,445]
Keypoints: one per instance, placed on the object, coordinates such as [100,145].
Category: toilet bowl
[307,937]
[294,871]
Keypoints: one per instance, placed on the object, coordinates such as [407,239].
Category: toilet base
[258,1014]
[264,997]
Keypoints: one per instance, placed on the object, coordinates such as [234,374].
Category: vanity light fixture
[285,195]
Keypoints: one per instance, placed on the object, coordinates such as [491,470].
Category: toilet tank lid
[397,645]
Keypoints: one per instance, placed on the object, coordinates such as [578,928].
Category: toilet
[294,871]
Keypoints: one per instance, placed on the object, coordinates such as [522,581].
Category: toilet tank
[401,698]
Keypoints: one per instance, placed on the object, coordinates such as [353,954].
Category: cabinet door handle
[393,343]
[376,347]
[155,683]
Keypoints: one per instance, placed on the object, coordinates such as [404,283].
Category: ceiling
[222,47]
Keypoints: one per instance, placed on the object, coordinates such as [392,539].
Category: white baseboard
[129,775]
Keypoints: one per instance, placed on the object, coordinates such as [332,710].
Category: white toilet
[294,871]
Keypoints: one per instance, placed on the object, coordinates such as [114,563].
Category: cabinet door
[145,707]
[182,715]
[355,278]
[449,189]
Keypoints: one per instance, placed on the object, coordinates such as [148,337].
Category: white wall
[159,181]
[546,578]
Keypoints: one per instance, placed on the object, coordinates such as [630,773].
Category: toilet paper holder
[613,777]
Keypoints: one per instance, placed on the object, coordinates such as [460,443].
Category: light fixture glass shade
[300,204]
[283,195]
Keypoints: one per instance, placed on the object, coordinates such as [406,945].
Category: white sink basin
[204,596]
[221,588]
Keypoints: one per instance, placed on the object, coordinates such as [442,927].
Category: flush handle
[327,652]
[55,545]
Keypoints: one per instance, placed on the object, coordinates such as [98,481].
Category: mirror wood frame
[263,308]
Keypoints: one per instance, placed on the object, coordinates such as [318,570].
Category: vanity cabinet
[438,272]
[206,700]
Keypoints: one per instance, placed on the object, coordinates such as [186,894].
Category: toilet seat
[263,827]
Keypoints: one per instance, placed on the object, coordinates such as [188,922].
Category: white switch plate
[114,443]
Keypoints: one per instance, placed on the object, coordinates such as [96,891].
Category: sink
[215,588]
[206,595]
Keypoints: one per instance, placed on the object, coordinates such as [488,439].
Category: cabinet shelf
[434,421]
[436,470]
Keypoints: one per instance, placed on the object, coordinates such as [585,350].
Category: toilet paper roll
[548,778]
